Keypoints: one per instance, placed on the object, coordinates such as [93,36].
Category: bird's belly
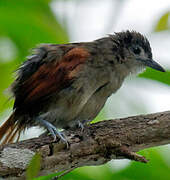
[65,107]
[96,103]
[91,109]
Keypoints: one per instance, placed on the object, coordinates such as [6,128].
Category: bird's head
[134,50]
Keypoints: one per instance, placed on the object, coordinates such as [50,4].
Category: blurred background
[26,23]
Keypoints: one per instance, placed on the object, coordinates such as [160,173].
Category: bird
[62,86]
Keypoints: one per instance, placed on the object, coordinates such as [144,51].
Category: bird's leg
[81,125]
[52,129]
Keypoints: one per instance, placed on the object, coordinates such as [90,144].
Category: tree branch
[96,145]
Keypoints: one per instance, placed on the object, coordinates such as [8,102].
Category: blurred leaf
[29,23]
[34,167]
[48,177]
[6,77]
[90,173]
[162,24]
[163,77]
[100,117]
[155,169]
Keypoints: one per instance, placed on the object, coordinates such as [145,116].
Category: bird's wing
[44,76]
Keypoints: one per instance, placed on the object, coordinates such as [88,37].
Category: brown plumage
[9,130]
[54,76]
[63,85]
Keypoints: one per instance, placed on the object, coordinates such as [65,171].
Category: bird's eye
[136,50]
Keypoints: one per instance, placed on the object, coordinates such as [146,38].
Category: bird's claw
[53,131]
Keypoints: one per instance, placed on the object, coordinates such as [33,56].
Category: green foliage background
[26,23]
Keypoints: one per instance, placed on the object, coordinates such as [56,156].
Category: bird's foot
[53,130]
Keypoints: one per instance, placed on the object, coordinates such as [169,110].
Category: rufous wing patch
[55,76]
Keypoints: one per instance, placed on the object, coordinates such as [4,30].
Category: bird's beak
[151,63]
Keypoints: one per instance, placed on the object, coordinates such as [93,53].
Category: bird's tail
[10,130]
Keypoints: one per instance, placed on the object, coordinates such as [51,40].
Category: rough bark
[97,144]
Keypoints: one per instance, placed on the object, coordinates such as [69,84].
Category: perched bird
[62,85]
